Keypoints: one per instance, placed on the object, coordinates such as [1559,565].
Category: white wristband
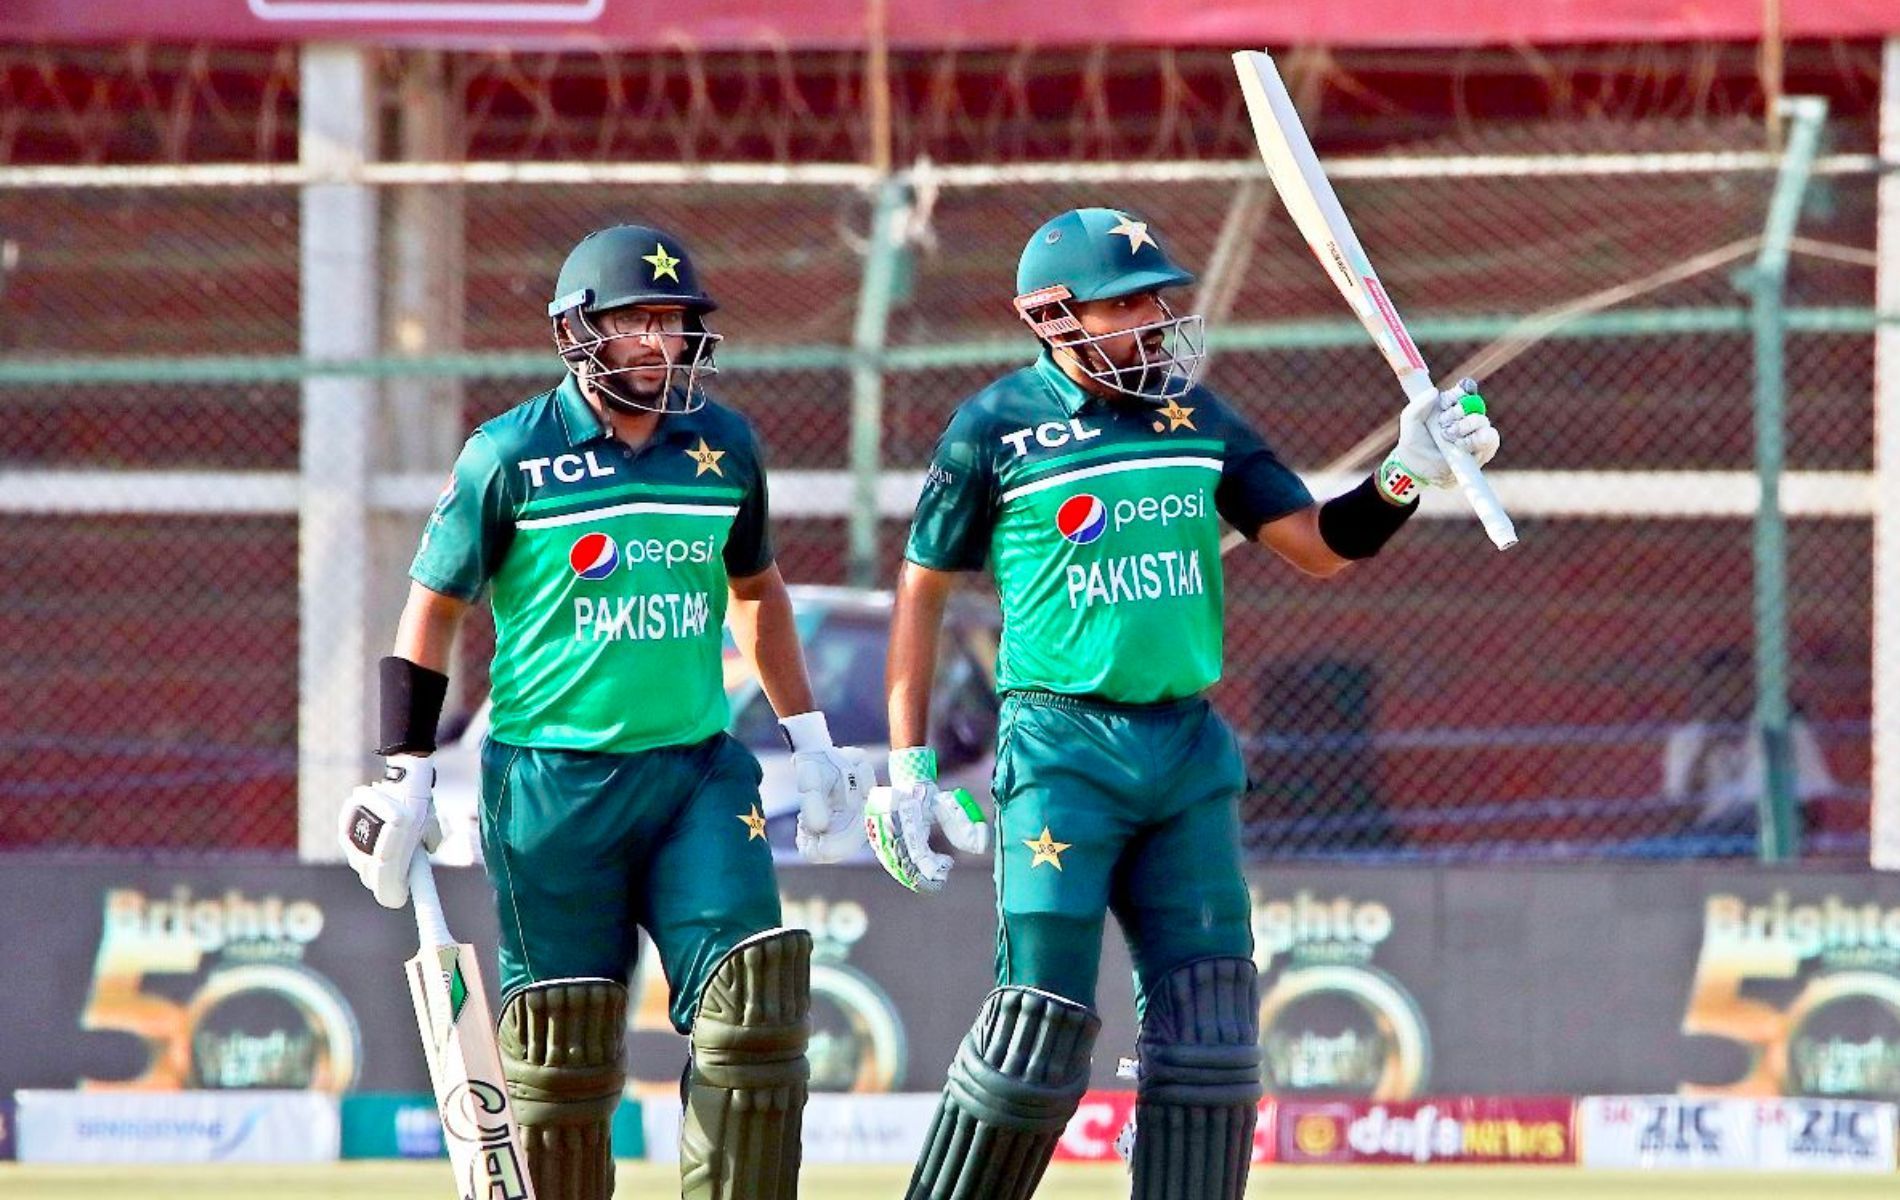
[413,773]
[806,733]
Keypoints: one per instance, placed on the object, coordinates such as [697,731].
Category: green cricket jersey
[1102,523]
[608,567]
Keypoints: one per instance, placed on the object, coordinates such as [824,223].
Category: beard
[631,392]
[1143,369]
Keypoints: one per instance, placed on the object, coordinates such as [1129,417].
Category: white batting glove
[832,782]
[898,818]
[382,825]
[1460,413]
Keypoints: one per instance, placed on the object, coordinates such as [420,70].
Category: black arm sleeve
[411,704]
[1357,524]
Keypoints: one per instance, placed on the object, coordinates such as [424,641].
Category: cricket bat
[458,1039]
[1309,197]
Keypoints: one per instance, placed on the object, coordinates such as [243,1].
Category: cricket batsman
[620,522]
[1094,482]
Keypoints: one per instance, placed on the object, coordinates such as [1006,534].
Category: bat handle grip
[1477,490]
[1419,389]
[432,928]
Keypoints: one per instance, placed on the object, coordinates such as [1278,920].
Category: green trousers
[585,850]
[1129,809]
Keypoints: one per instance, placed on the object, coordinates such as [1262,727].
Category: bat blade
[1309,197]
[458,1041]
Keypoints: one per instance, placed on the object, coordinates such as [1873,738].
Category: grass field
[641,1181]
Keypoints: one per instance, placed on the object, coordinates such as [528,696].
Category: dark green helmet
[628,266]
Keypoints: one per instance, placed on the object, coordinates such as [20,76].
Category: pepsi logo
[594,556]
[1082,518]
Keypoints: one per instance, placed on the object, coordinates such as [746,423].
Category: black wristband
[1358,524]
[412,704]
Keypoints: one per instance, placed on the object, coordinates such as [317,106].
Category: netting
[165,103]
[1588,694]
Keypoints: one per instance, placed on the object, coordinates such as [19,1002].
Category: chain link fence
[1588,694]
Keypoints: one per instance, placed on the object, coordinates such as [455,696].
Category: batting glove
[897,819]
[832,782]
[1461,417]
[382,825]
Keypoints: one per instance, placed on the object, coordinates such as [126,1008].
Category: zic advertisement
[1732,1133]
[1669,1132]
[1825,1135]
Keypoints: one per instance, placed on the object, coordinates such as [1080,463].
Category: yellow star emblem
[1047,849]
[1177,417]
[663,263]
[754,823]
[1135,231]
[707,458]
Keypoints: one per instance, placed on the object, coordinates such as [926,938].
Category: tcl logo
[1049,435]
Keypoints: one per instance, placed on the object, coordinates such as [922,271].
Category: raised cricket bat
[458,1039]
[1309,196]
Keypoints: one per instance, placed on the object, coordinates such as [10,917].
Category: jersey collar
[1072,396]
[578,419]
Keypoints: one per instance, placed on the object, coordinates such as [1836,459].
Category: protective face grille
[1163,369]
[680,390]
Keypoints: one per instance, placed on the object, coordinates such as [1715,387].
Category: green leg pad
[561,1049]
[746,1087]
[1198,1089]
[1013,1086]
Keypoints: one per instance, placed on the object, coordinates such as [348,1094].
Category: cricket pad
[1013,1086]
[1198,1088]
[746,1085]
[561,1049]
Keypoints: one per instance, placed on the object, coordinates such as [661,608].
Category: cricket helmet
[1098,254]
[627,266]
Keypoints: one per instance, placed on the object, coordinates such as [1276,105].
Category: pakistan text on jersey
[652,617]
[1136,577]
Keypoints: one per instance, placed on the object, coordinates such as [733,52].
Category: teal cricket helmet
[626,266]
[1099,254]
[1096,253]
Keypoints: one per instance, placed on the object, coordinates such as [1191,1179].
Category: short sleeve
[1255,486]
[471,527]
[956,511]
[749,543]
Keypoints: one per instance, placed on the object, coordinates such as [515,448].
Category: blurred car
[845,633]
